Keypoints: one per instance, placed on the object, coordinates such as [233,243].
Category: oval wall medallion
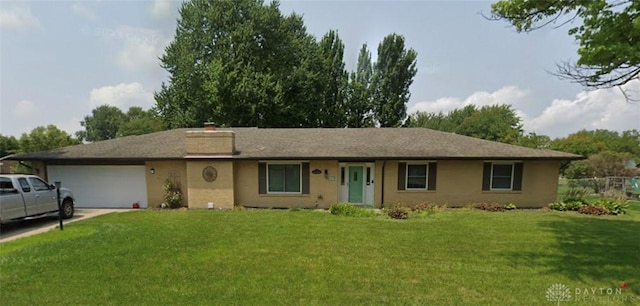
[209,173]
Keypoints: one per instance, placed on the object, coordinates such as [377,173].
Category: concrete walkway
[26,228]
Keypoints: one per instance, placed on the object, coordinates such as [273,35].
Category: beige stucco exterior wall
[220,192]
[163,170]
[460,183]
[322,191]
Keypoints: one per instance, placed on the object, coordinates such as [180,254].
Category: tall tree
[494,122]
[108,122]
[359,108]
[394,70]
[608,35]
[334,80]
[238,63]
[8,145]
[45,138]
[103,123]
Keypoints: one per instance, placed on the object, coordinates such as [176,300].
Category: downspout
[384,162]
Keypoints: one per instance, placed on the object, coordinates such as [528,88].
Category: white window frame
[284,163]
[426,177]
[513,167]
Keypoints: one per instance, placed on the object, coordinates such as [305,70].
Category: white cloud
[505,95]
[71,126]
[18,18]
[162,8]
[24,109]
[122,95]
[597,109]
[141,48]
[83,11]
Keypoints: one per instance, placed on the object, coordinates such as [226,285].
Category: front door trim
[365,178]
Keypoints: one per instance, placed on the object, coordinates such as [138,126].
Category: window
[416,176]
[502,176]
[5,183]
[6,186]
[24,185]
[38,184]
[284,178]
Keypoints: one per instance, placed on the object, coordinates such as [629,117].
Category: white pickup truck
[23,196]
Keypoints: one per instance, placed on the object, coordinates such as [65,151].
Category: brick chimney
[210,142]
[209,126]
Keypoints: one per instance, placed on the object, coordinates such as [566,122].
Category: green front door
[355,184]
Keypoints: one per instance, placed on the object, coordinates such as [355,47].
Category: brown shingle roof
[320,143]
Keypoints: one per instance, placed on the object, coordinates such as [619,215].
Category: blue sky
[61,59]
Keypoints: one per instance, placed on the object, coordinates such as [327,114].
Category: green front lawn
[314,258]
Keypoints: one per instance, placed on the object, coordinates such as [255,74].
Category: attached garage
[102,186]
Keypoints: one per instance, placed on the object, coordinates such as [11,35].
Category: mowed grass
[279,257]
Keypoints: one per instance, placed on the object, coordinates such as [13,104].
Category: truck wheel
[67,208]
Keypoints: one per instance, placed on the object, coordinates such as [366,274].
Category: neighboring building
[303,168]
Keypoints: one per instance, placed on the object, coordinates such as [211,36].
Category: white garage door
[103,186]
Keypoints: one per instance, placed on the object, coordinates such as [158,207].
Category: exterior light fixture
[152,171]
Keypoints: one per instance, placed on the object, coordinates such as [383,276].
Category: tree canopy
[8,145]
[243,63]
[587,143]
[108,122]
[608,35]
[494,122]
[393,74]
[607,152]
[237,63]
[138,122]
[45,138]
[359,110]
[102,124]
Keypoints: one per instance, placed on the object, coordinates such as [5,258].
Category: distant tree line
[108,122]
[608,153]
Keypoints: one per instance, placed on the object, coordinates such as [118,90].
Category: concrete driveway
[26,228]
